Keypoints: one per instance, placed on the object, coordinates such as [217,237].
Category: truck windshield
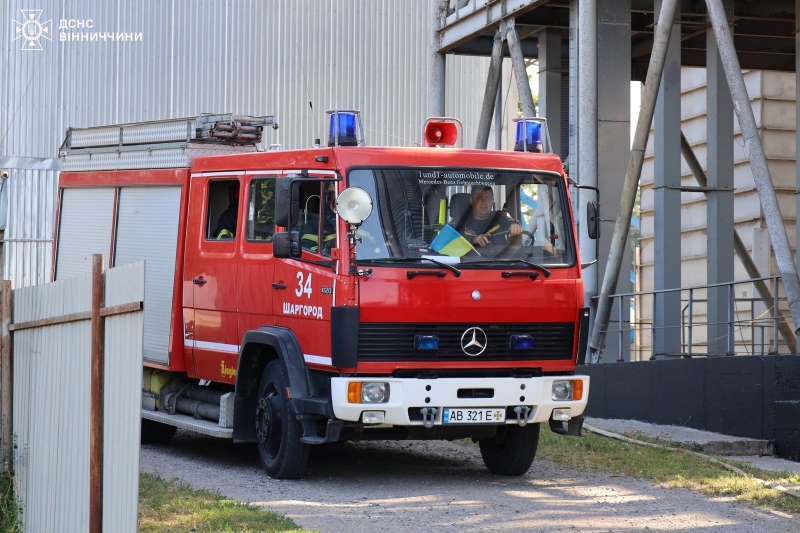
[461,216]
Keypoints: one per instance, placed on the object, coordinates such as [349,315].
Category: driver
[311,238]
[480,225]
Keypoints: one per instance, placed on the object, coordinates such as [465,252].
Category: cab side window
[223,210]
[317,222]
[261,210]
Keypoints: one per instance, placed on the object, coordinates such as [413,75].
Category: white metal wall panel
[52,374]
[147,230]
[123,398]
[28,239]
[85,229]
[246,56]
[51,406]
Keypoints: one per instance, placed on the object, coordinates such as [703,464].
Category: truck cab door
[306,286]
[212,270]
[256,263]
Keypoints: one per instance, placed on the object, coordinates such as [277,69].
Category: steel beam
[436,59]
[719,201]
[520,73]
[550,73]
[797,121]
[490,93]
[667,198]
[634,170]
[613,145]
[587,138]
[758,161]
[474,19]
[740,249]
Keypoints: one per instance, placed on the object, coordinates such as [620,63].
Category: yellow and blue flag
[450,242]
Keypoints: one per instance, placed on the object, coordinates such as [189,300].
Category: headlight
[367,392]
[562,390]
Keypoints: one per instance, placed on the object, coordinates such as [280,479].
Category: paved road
[442,486]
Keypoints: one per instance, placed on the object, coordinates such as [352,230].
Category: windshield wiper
[451,268]
[545,271]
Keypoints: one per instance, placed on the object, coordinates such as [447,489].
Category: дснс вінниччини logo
[32,30]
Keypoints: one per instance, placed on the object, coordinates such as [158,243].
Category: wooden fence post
[96,431]
[6,367]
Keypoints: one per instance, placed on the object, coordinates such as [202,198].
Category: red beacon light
[442,132]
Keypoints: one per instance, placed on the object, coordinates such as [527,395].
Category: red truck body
[230,294]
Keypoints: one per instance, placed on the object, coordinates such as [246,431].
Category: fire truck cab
[347,292]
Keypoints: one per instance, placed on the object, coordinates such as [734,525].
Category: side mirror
[287,244]
[592,220]
[287,204]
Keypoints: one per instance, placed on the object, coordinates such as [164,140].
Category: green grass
[595,453]
[173,506]
[9,503]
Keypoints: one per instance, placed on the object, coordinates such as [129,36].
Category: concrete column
[498,112]
[550,73]
[436,59]
[719,202]
[613,141]
[667,148]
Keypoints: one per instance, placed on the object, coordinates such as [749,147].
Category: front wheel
[511,451]
[277,430]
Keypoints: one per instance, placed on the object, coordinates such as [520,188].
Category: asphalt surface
[442,486]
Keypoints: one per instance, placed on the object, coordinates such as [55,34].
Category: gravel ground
[442,486]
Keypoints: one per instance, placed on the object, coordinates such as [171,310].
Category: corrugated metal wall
[51,404]
[28,239]
[245,56]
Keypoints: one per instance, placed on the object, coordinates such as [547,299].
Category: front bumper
[409,395]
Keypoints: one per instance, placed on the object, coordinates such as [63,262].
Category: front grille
[395,342]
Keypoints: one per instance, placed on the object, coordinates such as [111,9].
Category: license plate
[483,415]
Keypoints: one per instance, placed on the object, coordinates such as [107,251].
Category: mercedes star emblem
[473,341]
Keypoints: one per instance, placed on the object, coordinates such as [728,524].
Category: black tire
[512,451]
[278,432]
[156,433]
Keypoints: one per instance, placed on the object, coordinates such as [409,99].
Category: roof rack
[161,143]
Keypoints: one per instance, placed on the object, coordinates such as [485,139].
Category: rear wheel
[156,433]
[511,451]
[277,430]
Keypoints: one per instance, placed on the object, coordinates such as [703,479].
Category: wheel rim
[269,422]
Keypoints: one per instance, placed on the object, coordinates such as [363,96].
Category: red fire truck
[301,297]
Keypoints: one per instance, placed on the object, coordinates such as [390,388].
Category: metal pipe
[6,368]
[635,162]
[436,60]
[691,302]
[520,73]
[775,316]
[588,157]
[758,161]
[490,94]
[740,249]
[96,417]
[731,318]
[498,111]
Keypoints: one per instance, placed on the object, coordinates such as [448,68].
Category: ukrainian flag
[450,242]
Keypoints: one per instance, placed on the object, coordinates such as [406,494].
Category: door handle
[278,286]
[199,281]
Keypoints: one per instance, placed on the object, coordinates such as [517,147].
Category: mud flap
[574,427]
[332,431]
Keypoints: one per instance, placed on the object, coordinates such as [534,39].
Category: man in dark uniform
[482,226]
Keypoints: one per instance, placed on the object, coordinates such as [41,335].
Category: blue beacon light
[529,136]
[342,129]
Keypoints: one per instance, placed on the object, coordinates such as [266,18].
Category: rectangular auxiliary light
[520,342]
[426,342]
